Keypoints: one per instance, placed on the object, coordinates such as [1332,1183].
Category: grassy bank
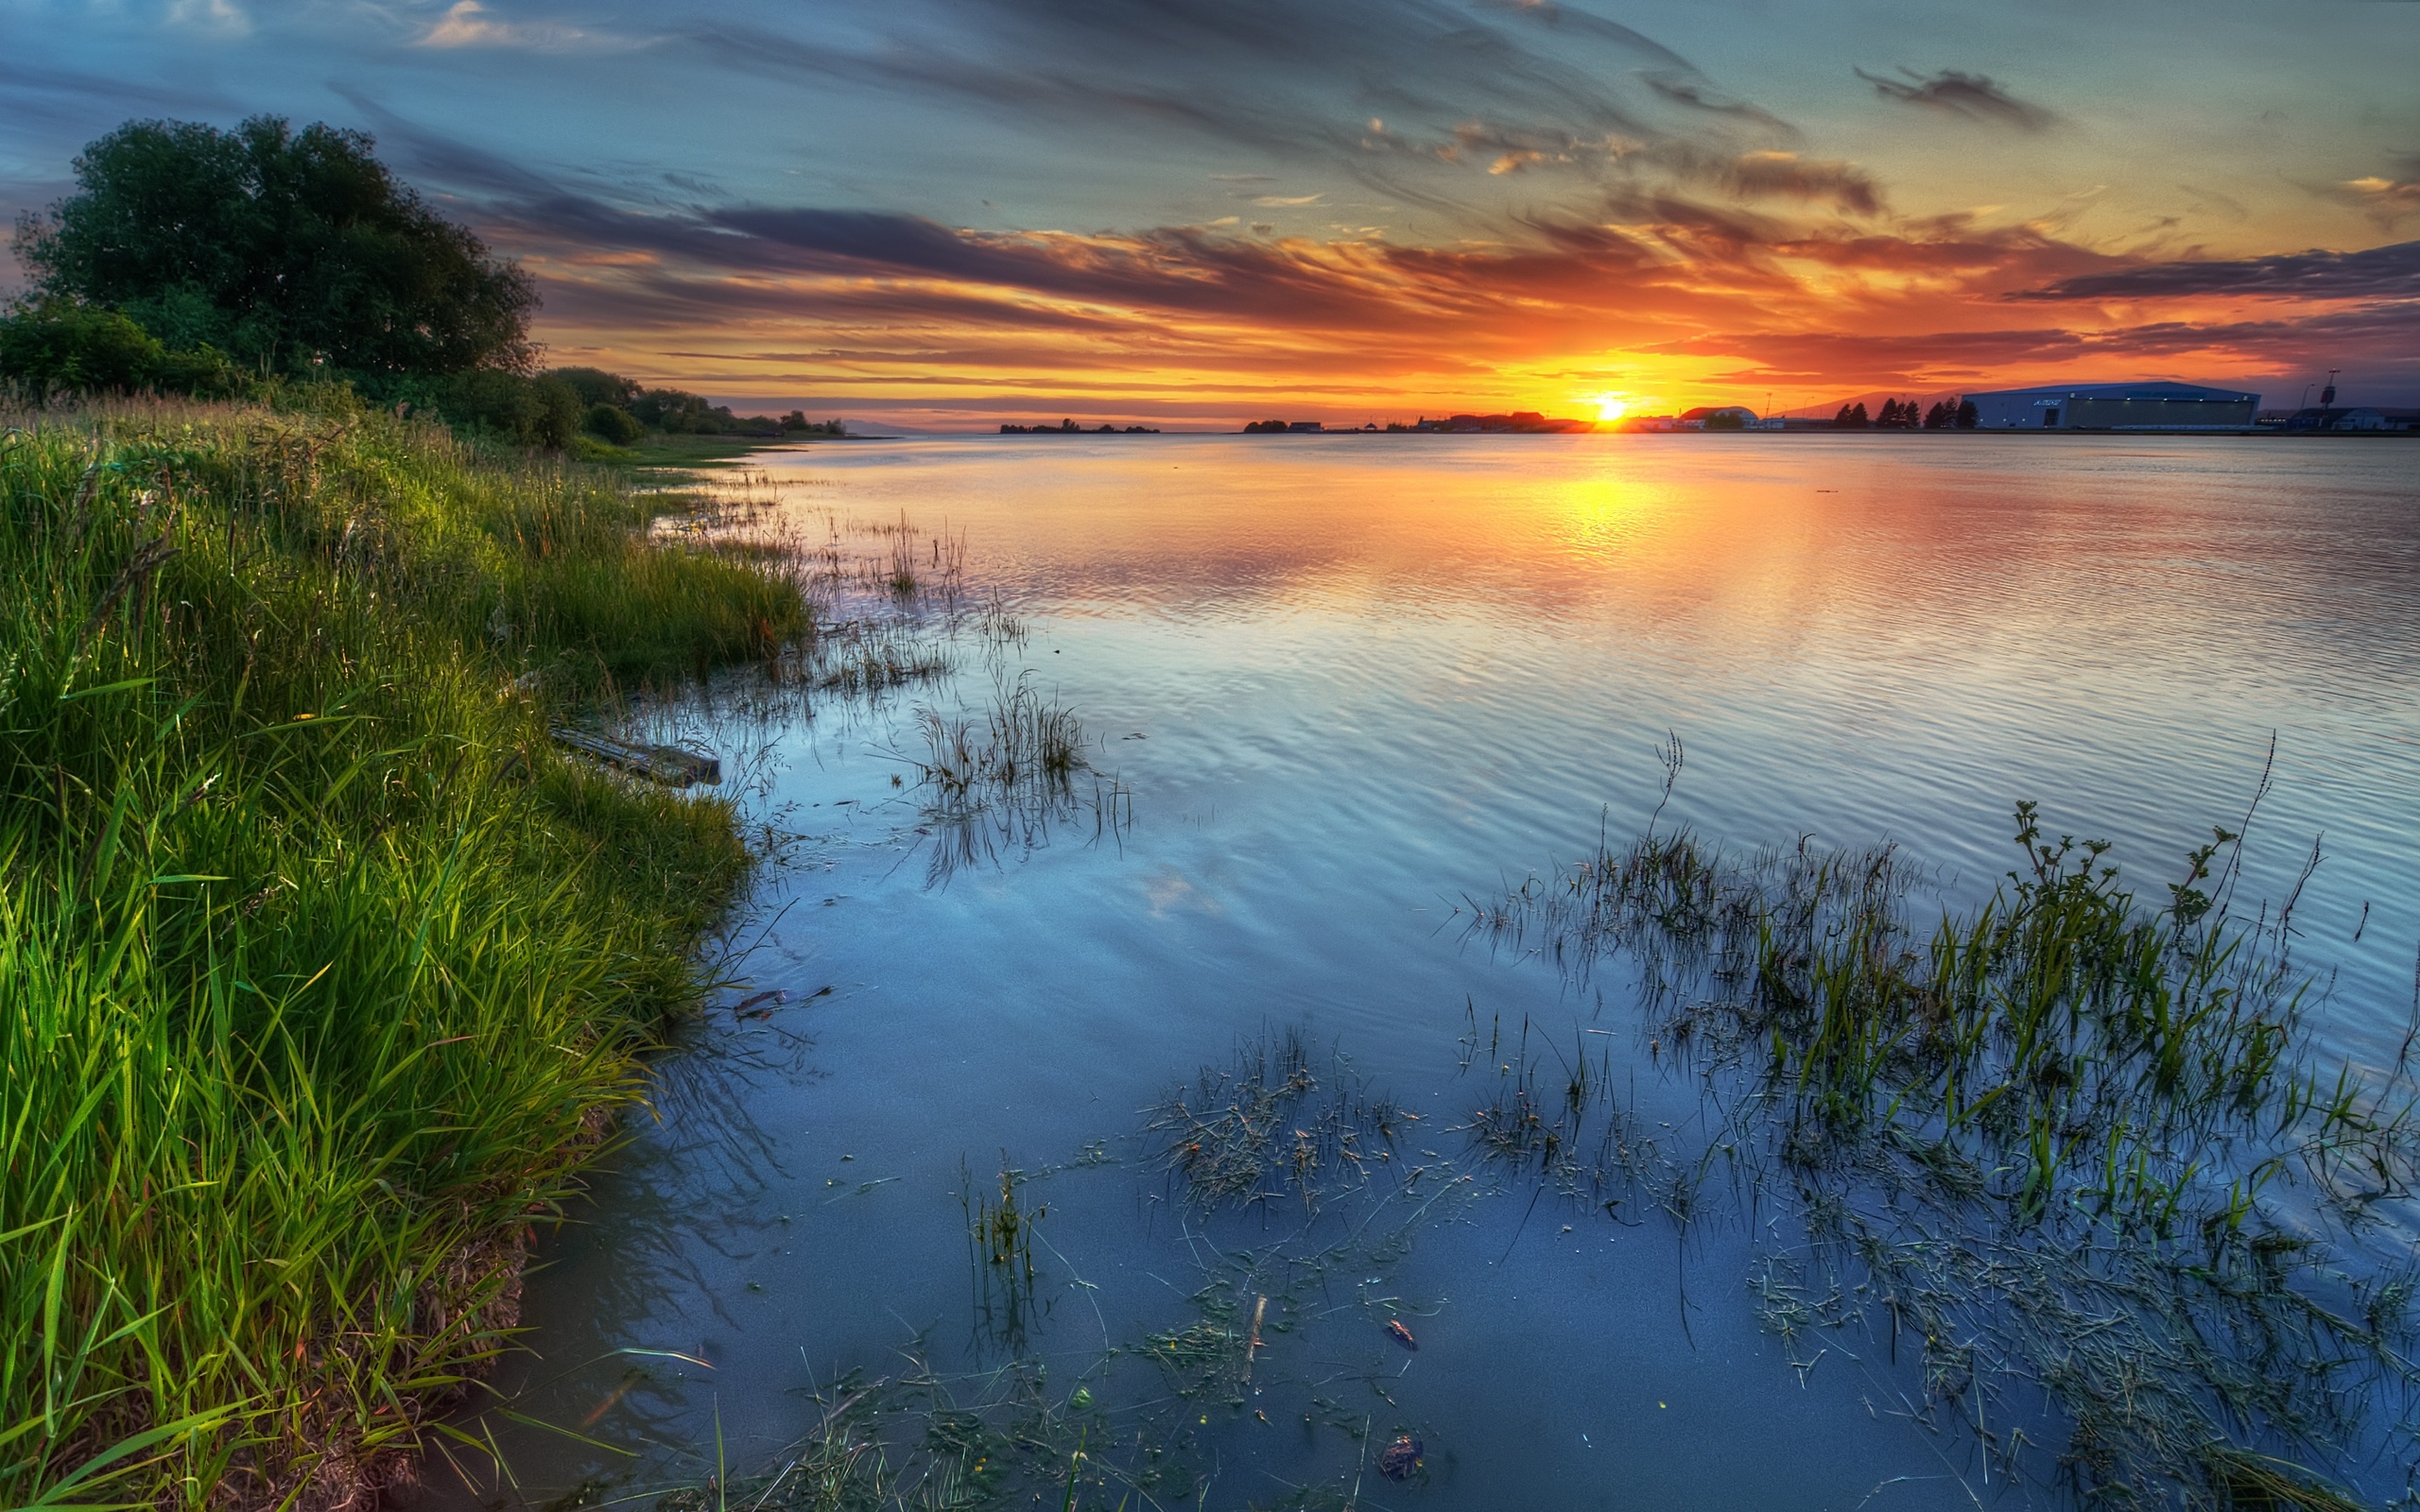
[319,969]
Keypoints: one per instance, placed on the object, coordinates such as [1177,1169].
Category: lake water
[1345,685]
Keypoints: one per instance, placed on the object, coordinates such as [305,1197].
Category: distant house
[2140,406]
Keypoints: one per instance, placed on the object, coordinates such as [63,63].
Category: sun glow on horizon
[1610,406]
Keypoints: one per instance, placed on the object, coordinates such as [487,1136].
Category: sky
[944,213]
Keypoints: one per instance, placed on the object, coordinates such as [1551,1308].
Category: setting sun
[1610,406]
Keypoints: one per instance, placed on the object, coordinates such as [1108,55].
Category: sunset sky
[946,213]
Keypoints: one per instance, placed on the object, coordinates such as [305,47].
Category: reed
[320,971]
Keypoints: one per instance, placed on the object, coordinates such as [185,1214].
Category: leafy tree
[1852,417]
[1968,417]
[289,250]
[1939,416]
[594,385]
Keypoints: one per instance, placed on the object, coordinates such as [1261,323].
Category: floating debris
[1402,1335]
[1399,1459]
[669,764]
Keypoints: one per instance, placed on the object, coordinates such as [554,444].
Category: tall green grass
[320,969]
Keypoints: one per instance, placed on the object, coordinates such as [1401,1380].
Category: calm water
[1348,683]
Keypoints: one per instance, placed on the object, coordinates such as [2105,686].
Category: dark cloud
[2380,271]
[1788,176]
[2384,338]
[1697,95]
[1972,96]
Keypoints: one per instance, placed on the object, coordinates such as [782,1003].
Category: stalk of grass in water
[317,967]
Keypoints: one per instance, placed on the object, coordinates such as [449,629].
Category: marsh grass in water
[1269,1128]
[1004,781]
[1023,743]
[1000,1234]
[2073,1147]
[321,971]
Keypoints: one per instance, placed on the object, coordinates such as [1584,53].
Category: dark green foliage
[1941,416]
[541,412]
[293,252]
[1852,418]
[594,385]
[677,413]
[52,344]
[1968,417]
[1725,421]
[607,424]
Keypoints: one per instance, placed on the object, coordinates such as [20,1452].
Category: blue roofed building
[2152,405]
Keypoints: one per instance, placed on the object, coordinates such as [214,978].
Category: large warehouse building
[2145,406]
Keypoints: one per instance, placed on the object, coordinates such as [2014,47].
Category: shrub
[608,423]
[55,344]
[525,411]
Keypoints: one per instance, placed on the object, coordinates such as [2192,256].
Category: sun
[1611,407]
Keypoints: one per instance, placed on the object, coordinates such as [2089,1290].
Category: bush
[608,423]
[60,344]
[503,405]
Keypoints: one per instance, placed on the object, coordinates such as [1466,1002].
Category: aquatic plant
[1022,742]
[1256,1132]
[2075,1140]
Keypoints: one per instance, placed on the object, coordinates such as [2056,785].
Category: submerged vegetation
[2073,1148]
[320,966]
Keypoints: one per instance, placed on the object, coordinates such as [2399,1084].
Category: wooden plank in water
[660,764]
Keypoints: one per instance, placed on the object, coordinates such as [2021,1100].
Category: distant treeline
[1903,416]
[227,264]
[1068,427]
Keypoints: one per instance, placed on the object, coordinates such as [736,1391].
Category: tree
[1852,418]
[594,385]
[1939,416]
[289,250]
[1968,417]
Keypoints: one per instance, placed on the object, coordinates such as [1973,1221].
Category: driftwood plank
[661,764]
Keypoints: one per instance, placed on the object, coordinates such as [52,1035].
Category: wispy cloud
[1971,96]
[221,16]
[2385,199]
[2379,272]
[469,24]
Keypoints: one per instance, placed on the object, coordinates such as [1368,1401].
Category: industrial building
[2143,406]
